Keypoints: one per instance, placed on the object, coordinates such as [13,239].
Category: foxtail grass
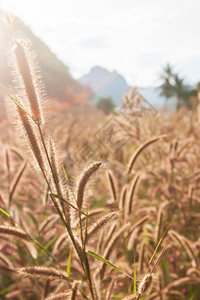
[14,231]
[38,271]
[112,184]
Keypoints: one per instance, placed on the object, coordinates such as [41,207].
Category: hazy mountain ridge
[105,84]
[98,83]
[113,85]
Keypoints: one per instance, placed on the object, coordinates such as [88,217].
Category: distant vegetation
[105,84]
[173,85]
[106,104]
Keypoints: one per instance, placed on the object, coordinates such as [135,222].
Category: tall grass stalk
[41,153]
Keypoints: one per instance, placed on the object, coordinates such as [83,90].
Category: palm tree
[167,86]
[174,86]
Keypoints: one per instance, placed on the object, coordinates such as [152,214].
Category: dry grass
[50,220]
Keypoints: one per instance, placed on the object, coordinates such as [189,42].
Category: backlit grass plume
[32,135]
[27,81]
[64,248]
[27,97]
[101,223]
[14,231]
[112,185]
[83,180]
[37,271]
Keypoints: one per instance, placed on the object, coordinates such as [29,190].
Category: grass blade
[97,256]
[74,207]
[47,245]
[160,242]
[134,266]
[15,101]
[16,180]
[64,171]
[69,263]
[5,212]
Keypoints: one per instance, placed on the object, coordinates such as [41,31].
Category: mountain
[58,81]
[111,84]
[105,84]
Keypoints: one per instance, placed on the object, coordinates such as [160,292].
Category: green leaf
[145,230]
[150,296]
[86,227]
[15,101]
[160,242]
[47,245]
[134,284]
[64,171]
[76,208]
[97,256]
[69,263]
[5,290]
[5,212]
[45,250]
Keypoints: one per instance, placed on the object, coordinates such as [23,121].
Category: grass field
[94,206]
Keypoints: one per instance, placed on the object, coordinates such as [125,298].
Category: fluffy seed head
[24,70]
[6,261]
[85,176]
[12,230]
[132,297]
[101,223]
[140,149]
[122,198]
[28,128]
[50,272]
[27,81]
[55,168]
[145,284]
[112,184]
[130,198]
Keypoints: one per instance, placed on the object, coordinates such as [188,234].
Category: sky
[133,37]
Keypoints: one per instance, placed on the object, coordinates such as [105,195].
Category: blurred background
[99,49]
[123,87]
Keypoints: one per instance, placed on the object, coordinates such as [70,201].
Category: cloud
[98,42]
[134,37]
